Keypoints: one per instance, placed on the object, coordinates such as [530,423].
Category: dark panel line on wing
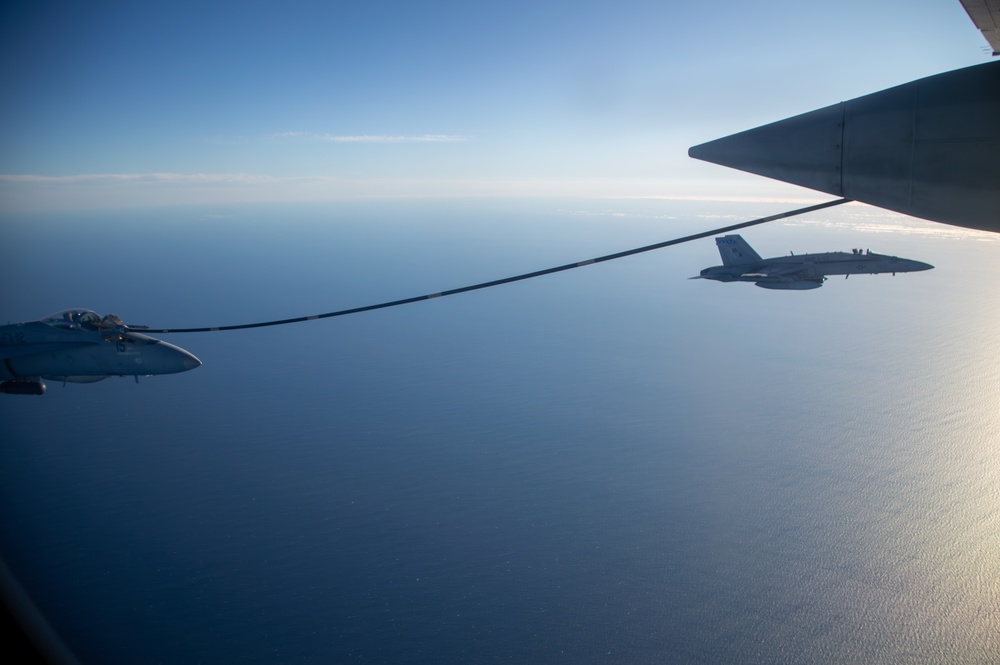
[508,280]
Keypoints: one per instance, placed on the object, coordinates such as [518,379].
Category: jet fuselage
[802,271]
[71,346]
[823,264]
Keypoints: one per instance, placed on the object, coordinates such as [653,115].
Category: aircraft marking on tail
[735,251]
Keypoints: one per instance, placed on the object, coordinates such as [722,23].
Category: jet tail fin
[735,251]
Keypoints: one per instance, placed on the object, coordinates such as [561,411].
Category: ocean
[613,464]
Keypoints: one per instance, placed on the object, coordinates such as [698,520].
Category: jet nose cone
[920,265]
[171,359]
[189,361]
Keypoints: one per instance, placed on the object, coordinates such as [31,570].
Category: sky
[121,104]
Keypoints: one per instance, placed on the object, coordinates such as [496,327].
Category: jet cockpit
[74,319]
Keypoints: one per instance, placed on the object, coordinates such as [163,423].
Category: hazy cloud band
[375,138]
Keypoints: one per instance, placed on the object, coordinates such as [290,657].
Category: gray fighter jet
[79,346]
[740,263]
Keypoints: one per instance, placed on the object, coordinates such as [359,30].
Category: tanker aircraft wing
[928,148]
[986,15]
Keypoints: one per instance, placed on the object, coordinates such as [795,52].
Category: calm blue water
[609,465]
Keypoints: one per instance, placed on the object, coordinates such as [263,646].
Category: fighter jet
[798,273]
[79,346]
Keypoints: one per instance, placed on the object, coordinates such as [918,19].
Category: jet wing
[776,272]
[18,350]
[986,15]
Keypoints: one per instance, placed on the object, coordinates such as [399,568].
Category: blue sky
[114,104]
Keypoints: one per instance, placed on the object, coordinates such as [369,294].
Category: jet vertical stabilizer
[735,251]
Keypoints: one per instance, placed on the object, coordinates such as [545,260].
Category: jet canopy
[74,319]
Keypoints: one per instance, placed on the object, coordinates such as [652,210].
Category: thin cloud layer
[25,192]
[375,138]
[110,178]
